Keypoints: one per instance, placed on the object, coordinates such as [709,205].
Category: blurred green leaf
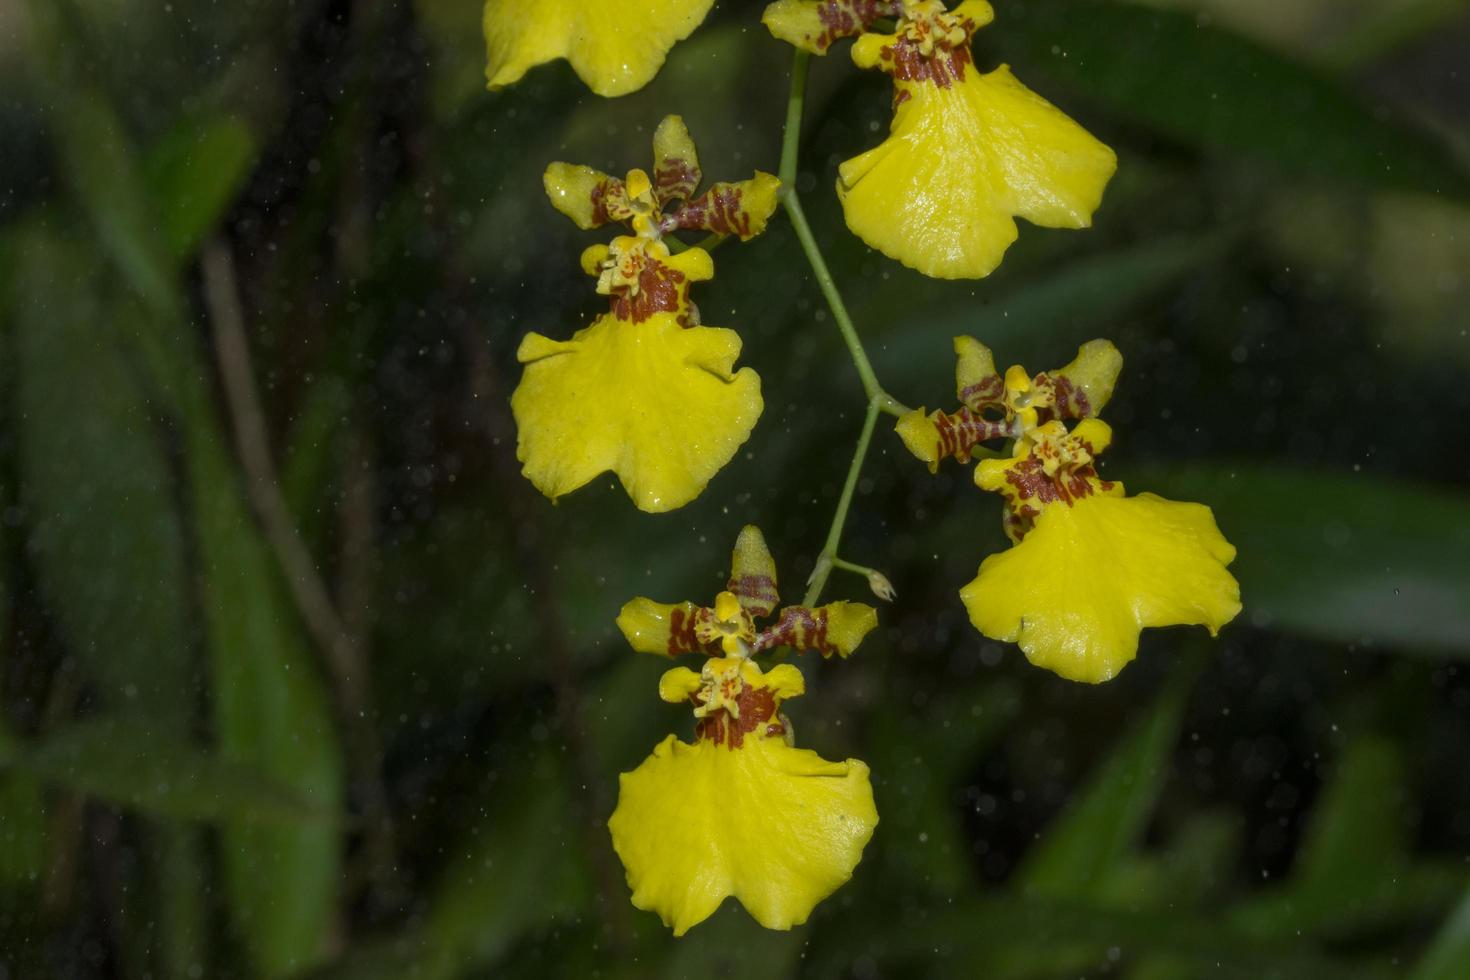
[179,886]
[106,538]
[23,832]
[271,711]
[1389,26]
[1354,870]
[1449,955]
[918,758]
[1173,71]
[307,472]
[520,869]
[193,174]
[128,761]
[1067,305]
[1341,556]
[97,159]
[968,938]
[1083,846]
[1360,826]
[1194,865]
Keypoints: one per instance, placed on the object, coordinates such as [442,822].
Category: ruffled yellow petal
[779,828]
[615,48]
[753,573]
[1089,576]
[656,403]
[939,195]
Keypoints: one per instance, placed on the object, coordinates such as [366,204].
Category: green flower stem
[827,560]
[848,566]
[791,134]
[871,387]
[790,141]
[878,400]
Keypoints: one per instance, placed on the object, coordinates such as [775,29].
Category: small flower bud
[882,588]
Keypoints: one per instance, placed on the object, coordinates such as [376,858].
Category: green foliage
[1450,951]
[1174,72]
[128,761]
[192,176]
[105,534]
[1105,822]
[169,750]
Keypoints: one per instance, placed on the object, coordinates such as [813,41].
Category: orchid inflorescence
[648,392]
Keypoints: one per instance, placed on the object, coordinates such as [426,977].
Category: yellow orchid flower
[1090,567]
[615,48]
[645,391]
[967,152]
[740,812]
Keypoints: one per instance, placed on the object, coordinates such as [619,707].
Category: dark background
[209,770]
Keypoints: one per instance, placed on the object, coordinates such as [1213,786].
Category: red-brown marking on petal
[1071,402]
[717,210]
[799,628]
[961,432]
[984,394]
[660,290]
[848,18]
[757,706]
[761,589]
[674,179]
[682,638]
[1069,485]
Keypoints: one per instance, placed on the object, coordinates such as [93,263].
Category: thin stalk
[871,386]
[878,399]
[791,134]
[828,557]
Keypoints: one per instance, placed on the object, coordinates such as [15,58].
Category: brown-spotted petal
[753,573]
[938,435]
[587,196]
[816,26]
[1084,386]
[663,628]
[837,627]
[739,208]
[976,382]
[676,173]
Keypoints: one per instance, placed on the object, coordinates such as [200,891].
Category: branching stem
[879,400]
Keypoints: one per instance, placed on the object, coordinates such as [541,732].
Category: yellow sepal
[663,628]
[921,436]
[847,624]
[1087,578]
[573,190]
[1094,371]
